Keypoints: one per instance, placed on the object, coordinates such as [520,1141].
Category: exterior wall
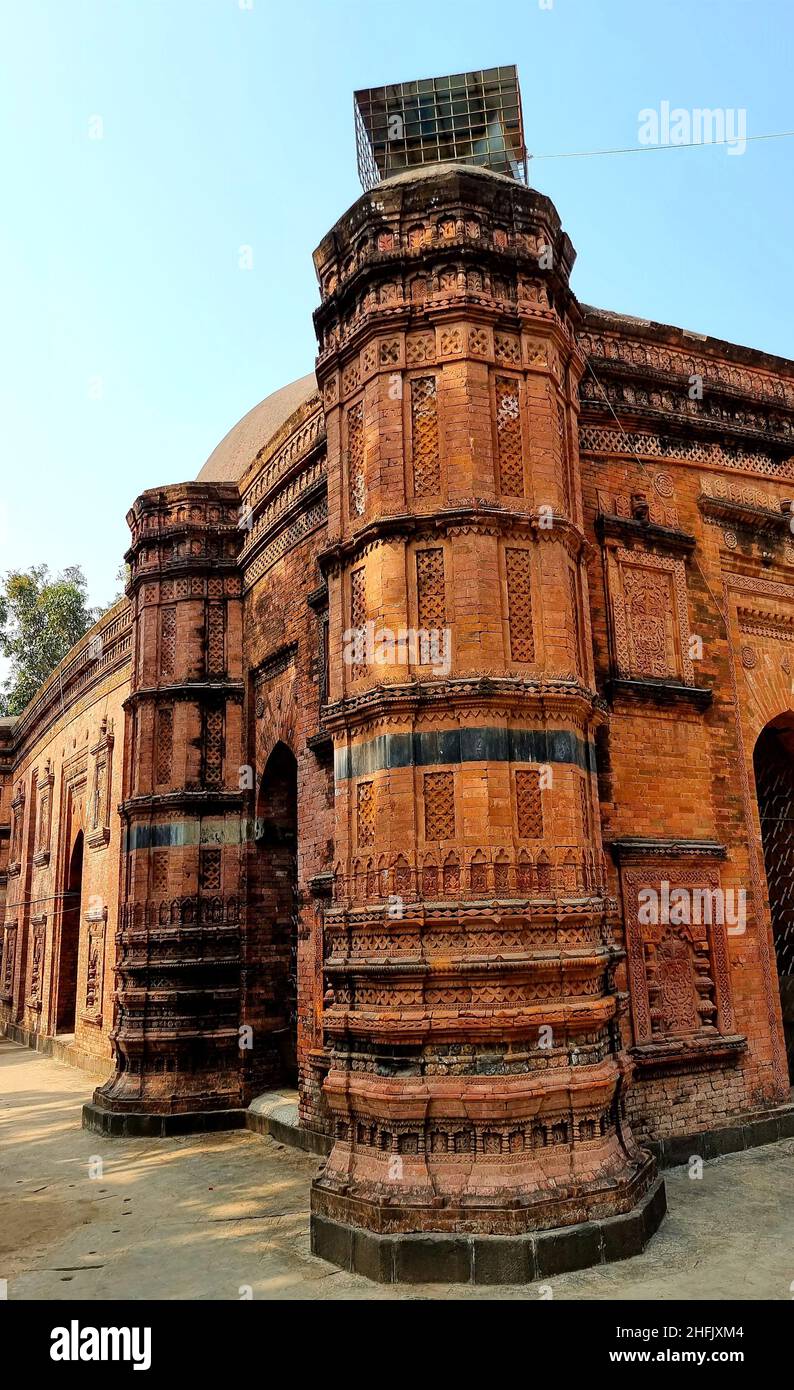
[598,511]
[285,615]
[710,475]
[66,782]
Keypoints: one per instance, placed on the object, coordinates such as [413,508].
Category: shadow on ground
[226,1216]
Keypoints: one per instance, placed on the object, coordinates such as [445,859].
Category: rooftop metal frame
[465,118]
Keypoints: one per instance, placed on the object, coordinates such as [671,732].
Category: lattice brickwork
[210,870]
[358,613]
[167,641]
[213,748]
[357,486]
[529,805]
[584,805]
[165,743]
[216,655]
[424,437]
[596,439]
[431,606]
[561,450]
[508,437]
[365,815]
[159,872]
[573,589]
[439,805]
[518,564]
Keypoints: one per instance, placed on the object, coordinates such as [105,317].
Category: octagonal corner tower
[470,1010]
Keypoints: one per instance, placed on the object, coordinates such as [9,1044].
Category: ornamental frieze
[608,439]
[669,401]
[674,361]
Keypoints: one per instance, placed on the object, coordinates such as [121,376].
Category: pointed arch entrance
[773,762]
[276,908]
[69,944]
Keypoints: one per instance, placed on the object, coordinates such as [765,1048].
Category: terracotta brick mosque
[431,785]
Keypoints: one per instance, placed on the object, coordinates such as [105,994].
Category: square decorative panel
[650,624]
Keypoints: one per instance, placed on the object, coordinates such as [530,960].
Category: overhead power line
[646,149]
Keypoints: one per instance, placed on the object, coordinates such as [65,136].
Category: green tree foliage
[41,617]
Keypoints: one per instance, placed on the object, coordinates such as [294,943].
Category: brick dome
[229,460]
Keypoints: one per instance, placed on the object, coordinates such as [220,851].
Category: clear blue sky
[226,126]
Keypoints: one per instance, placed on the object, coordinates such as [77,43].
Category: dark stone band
[475,1259]
[135,1124]
[448,746]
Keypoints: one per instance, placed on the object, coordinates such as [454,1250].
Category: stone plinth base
[449,1258]
[130,1124]
[276,1113]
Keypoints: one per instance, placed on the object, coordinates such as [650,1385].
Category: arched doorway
[276,908]
[69,948]
[773,761]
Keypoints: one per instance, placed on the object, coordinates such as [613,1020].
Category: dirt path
[217,1216]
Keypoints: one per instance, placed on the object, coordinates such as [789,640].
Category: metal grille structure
[774,775]
[466,118]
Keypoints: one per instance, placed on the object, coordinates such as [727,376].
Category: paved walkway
[205,1216]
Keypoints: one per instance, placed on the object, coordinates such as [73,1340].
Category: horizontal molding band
[448,747]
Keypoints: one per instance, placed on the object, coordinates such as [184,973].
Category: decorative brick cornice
[196,801]
[684,1054]
[631,848]
[520,696]
[735,514]
[627,529]
[660,692]
[484,518]
[186,690]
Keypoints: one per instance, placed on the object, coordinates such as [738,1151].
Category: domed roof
[416,173]
[229,460]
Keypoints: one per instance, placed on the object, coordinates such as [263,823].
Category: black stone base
[747,1131]
[298,1138]
[120,1124]
[470,1259]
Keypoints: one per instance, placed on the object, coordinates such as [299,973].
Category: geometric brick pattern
[165,740]
[424,436]
[508,437]
[358,613]
[215,639]
[575,619]
[167,640]
[430,589]
[159,873]
[518,564]
[584,805]
[529,804]
[355,459]
[439,806]
[365,815]
[213,747]
[210,870]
